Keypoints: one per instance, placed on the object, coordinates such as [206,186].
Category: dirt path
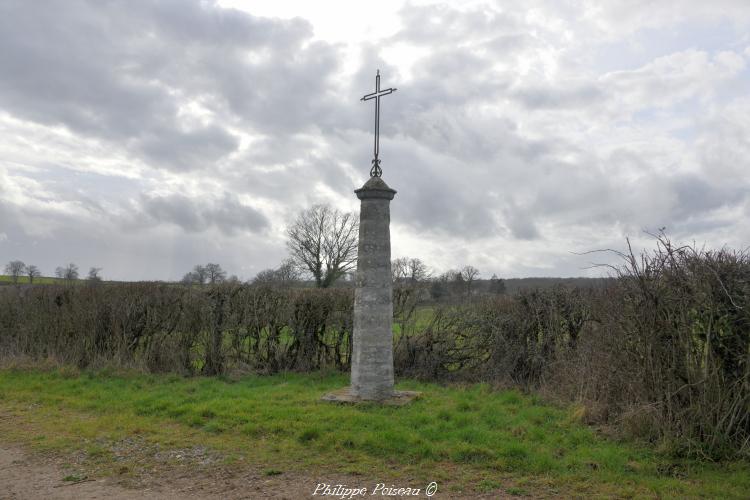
[28,476]
[33,476]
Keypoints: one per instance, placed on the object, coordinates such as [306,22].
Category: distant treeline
[515,285]
[512,285]
[661,351]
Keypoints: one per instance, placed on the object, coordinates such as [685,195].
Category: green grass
[419,321]
[470,438]
[49,280]
[23,280]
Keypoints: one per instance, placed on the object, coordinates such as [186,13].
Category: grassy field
[466,438]
[23,280]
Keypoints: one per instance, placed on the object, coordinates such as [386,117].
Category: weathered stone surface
[372,346]
[397,398]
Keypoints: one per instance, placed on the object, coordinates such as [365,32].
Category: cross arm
[378,94]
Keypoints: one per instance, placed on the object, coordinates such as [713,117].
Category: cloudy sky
[144,137]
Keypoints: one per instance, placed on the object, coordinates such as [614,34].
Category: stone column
[372,346]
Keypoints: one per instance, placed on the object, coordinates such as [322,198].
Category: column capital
[375,187]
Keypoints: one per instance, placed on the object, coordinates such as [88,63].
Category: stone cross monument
[372,345]
[372,339]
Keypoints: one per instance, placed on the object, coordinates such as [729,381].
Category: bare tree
[199,274]
[323,241]
[286,274]
[409,269]
[68,273]
[398,269]
[94,274]
[469,274]
[71,272]
[266,276]
[418,270]
[14,269]
[32,272]
[214,273]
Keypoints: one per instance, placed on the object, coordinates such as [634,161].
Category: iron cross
[376,171]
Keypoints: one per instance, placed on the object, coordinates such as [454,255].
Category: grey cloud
[156,253]
[287,93]
[436,209]
[294,174]
[149,248]
[700,225]
[201,23]
[680,78]
[279,149]
[441,79]
[193,215]
[443,24]
[575,95]
[122,74]
[352,114]
[723,142]
[229,215]
[521,225]
[176,209]
[695,195]
[439,201]
[463,47]
[191,150]
[625,17]
[486,148]
[507,44]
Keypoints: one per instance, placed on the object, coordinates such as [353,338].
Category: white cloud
[518,135]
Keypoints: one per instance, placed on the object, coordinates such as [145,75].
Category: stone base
[398,398]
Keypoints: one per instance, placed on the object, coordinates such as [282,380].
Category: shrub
[661,351]
[168,328]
